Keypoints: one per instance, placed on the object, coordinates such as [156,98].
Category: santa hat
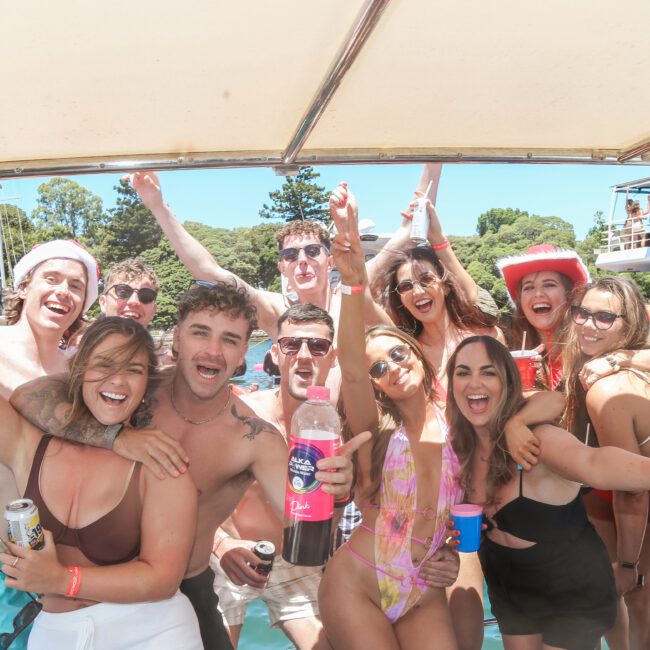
[542,257]
[61,249]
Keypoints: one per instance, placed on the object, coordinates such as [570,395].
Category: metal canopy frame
[295,154]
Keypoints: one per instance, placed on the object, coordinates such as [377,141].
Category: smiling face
[210,345]
[543,298]
[403,378]
[426,300]
[131,307]
[596,342]
[477,386]
[303,369]
[112,390]
[55,295]
[305,273]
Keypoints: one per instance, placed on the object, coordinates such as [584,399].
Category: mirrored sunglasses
[426,280]
[124,291]
[602,320]
[21,621]
[398,354]
[317,347]
[311,250]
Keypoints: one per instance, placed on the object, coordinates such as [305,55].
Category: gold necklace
[190,420]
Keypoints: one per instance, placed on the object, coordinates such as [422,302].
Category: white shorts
[164,625]
[291,592]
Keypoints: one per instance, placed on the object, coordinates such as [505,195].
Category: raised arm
[44,402]
[195,257]
[168,525]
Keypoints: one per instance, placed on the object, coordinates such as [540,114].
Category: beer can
[265,551]
[420,222]
[24,524]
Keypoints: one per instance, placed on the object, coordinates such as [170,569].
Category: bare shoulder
[616,384]
[249,424]
[181,486]
[262,402]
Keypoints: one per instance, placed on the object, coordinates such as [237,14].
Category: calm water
[257,633]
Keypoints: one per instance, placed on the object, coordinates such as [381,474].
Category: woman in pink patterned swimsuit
[385,588]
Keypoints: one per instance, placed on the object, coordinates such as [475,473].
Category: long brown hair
[634,336]
[390,419]
[461,312]
[138,339]
[463,437]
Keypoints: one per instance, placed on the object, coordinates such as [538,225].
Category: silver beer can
[24,524]
[419,222]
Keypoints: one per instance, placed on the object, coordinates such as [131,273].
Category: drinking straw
[523,342]
[428,188]
[587,434]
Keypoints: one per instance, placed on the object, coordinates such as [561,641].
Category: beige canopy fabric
[107,86]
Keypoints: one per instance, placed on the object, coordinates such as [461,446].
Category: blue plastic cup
[468,519]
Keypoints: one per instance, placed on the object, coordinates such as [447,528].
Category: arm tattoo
[254,425]
[45,404]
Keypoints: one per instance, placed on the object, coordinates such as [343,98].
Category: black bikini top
[535,521]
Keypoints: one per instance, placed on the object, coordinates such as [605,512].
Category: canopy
[108,86]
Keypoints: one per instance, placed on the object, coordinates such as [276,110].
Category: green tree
[298,198]
[18,236]
[263,241]
[131,228]
[492,220]
[66,210]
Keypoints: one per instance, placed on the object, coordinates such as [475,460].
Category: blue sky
[233,197]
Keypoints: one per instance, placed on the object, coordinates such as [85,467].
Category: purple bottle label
[305,500]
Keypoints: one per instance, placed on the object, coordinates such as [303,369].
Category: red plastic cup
[526,367]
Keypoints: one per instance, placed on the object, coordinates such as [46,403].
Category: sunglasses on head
[311,250]
[124,291]
[21,621]
[398,354]
[602,320]
[291,345]
[425,280]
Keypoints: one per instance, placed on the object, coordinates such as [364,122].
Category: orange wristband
[351,289]
[75,581]
[441,245]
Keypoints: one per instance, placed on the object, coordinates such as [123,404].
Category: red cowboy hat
[542,257]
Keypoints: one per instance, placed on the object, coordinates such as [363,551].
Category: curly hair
[390,418]
[13,302]
[463,437]
[462,313]
[119,357]
[219,296]
[301,228]
[132,269]
[634,336]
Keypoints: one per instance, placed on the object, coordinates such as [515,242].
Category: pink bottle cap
[318,392]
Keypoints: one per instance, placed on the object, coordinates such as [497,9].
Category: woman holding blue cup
[549,577]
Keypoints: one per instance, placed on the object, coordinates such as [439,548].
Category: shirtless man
[291,592]
[54,284]
[130,290]
[304,254]
[211,431]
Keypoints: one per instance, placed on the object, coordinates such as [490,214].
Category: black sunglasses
[22,620]
[603,320]
[123,291]
[398,354]
[311,250]
[425,280]
[317,347]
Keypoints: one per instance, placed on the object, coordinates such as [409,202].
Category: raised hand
[147,185]
[346,247]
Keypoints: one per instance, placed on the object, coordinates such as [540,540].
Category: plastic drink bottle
[315,434]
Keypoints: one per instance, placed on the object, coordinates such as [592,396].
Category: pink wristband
[351,290]
[441,245]
[75,581]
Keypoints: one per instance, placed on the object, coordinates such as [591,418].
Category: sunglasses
[426,280]
[602,320]
[123,291]
[291,345]
[311,250]
[398,354]
[23,619]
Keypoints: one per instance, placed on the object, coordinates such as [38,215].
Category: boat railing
[625,235]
